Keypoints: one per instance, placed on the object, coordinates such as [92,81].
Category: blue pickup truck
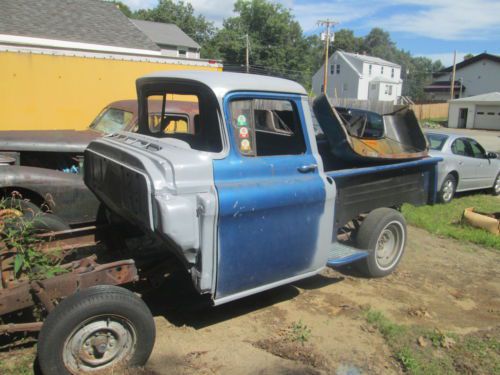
[251,198]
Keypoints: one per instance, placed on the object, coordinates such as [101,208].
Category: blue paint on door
[268,212]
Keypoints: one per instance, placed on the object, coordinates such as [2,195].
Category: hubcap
[98,343]
[497,185]
[447,190]
[389,245]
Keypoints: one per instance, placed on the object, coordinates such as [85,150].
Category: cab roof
[222,83]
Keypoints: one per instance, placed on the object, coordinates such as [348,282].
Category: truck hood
[47,140]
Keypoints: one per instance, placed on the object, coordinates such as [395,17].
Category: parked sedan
[465,166]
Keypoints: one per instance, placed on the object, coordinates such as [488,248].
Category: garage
[475,112]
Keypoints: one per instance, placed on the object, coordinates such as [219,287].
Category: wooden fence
[430,111]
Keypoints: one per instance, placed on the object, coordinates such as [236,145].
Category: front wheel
[383,234]
[98,328]
[495,190]
[447,191]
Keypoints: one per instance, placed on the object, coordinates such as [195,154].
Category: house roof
[86,21]
[491,97]
[470,61]
[369,59]
[165,34]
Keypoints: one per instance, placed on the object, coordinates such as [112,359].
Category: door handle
[460,162]
[307,168]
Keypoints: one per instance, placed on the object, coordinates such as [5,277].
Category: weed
[300,332]
[17,232]
[408,361]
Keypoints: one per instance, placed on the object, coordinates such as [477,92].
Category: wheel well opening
[455,174]
[23,193]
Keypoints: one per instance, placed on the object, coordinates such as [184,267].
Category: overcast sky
[432,28]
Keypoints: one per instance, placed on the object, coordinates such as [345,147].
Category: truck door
[272,196]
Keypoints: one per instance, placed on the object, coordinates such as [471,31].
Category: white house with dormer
[355,76]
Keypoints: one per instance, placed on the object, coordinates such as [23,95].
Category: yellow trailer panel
[60,91]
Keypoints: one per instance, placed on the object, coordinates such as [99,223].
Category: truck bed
[363,188]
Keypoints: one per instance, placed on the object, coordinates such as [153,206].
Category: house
[475,112]
[475,76]
[171,40]
[351,75]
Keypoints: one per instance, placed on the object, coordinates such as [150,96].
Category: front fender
[65,193]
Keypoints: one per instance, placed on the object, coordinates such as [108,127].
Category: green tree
[346,41]
[468,56]
[181,14]
[124,8]
[277,43]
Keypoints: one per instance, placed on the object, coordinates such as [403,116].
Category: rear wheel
[495,190]
[102,327]
[448,188]
[383,234]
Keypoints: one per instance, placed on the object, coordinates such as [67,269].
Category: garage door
[487,117]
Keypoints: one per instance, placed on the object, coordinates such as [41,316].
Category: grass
[477,353]
[17,362]
[444,219]
[300,332]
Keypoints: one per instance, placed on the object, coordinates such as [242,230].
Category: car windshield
[112,120]
[436,141]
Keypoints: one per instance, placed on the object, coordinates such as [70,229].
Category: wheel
[495,190]
[383,234]
[447,191]
[97,328]
[41,221]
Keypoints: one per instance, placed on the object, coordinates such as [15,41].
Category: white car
[465,166]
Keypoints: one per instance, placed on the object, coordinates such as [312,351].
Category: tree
[181,14]
[124,8]
[277,43]
[468,56]
[346,41]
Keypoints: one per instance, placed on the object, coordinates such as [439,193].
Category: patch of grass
[300,332]
[421,351]
[444,219]
[17,362]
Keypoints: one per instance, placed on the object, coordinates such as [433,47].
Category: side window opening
[267,127]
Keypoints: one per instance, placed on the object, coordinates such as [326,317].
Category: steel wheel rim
[447,190]
[98,343]
[496,187]
[389,245]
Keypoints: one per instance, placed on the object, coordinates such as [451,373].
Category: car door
[271,196]
[465,163]
[487,170]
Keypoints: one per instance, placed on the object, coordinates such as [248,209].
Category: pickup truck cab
[252,200]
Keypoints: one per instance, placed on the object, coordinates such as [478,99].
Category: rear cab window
[266,127]
[112,120]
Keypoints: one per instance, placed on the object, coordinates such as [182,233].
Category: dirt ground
[316,326]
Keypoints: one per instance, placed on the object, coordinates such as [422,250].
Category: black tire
[380,222]
[42,221]
[96,314]
[495,190]
[445,195]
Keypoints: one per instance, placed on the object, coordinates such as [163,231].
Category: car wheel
[383,234]
[102,327]
[448,188]
[495,190]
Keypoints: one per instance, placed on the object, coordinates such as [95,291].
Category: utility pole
[327,23]
[247,58]
[452,90]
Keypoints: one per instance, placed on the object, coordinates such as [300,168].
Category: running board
[341,255]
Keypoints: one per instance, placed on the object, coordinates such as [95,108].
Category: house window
[344,87]
[338,68]
[370,69]
[182,53]
[381,70]
[392,73]
[388,89]
[332,69]
[374,86]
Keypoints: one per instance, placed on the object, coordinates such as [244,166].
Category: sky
[431,28]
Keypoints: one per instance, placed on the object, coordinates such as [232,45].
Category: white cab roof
[224,82]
